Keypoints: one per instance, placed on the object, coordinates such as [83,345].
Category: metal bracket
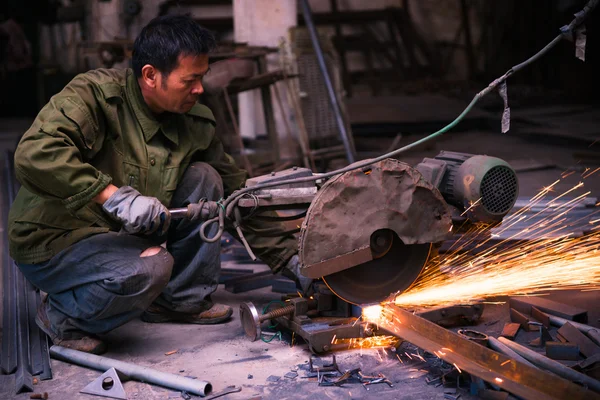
[107,385]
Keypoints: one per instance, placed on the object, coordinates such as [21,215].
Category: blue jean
[102,282]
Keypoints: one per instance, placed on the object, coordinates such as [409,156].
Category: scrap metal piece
[525,304]
[521,319]
[107,385]
[537,314]
[446,316]
[558,369]
[591,331]
[474,336]
[227,390]
[562,351]
[573,335]
[542,339]
[517,378]
[510,330]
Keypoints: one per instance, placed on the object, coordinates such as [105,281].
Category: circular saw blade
[373,281]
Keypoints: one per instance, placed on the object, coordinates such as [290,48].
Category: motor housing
[484,188]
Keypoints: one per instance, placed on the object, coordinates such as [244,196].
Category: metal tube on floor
[552,366]
[333,100]
[495,344]
[592,332]
[132,371]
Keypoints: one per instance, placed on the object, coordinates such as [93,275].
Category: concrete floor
[222,354]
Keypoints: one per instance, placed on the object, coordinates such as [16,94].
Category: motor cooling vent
[499,190]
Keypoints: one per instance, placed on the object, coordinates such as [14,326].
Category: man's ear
[149,75]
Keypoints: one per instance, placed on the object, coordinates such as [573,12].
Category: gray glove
[137,213]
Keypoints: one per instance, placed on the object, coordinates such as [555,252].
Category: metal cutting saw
[369,232]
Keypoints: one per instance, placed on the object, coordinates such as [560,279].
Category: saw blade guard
[383,219]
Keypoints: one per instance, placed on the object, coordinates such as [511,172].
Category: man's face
[179,91]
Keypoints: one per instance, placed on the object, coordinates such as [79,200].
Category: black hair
[165,38]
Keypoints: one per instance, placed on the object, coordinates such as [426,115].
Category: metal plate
[374,281]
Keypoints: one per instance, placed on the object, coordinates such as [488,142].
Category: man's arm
[51,159]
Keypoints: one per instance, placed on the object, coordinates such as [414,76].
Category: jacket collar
[148,122]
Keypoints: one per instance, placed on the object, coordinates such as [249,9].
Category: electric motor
[485,188]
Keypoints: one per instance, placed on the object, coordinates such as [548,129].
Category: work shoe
[215,315]
[84,342]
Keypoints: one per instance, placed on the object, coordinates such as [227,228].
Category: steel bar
[592,332]
[525,304]
[23,377]
[133,371]
[333,99]
[8,362]
[554,366]
[512,376]
[495,344]
[9,324]
[35,344]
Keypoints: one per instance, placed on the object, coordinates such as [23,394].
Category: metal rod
[133,371]
[552,366]
[513,376]
[178,213]
[23,377]
[495,344]
[314,37]
[592,332]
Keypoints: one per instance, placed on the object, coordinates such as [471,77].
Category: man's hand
[137,213]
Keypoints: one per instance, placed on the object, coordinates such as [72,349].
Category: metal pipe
[133,371]
[592,332]
[333,100]
[495,344]
[552,366]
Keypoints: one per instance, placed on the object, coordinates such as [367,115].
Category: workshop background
[399,69]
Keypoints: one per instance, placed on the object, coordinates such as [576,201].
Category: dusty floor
[222,354]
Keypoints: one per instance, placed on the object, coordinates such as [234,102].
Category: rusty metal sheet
[351,206]
[510,375]
[573,335]
[524,305]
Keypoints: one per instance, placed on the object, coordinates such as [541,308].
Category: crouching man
[99,166]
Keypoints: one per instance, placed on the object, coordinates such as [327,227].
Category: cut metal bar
[524,305]
[540,316]
[495,344]
[132,371]
[573,335]
[562,351]
[510,330]
[557,368]
[592,332]
[333,99]
[515,377]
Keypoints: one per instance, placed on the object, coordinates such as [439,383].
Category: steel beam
[510,375]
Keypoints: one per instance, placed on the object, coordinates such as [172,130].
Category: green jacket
[99,130]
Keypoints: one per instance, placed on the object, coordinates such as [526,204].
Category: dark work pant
[102,282]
